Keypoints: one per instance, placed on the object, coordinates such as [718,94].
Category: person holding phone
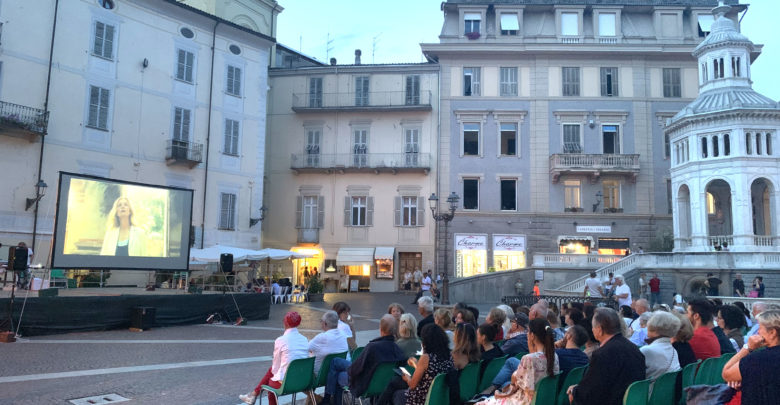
[345,323]
[435,360]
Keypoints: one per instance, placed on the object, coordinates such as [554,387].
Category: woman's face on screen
[123,208]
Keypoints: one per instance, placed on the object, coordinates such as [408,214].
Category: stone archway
[683,216]
[761,191]
[718,210]
[694,287]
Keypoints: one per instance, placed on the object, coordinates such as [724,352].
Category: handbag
[753,294]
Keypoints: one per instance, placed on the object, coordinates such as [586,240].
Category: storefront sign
[512,243]
[594,229]
[470,255]
[470,242]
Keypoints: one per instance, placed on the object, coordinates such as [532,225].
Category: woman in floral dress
[436,359]
[539,363]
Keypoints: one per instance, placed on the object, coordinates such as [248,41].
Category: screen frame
[186,226]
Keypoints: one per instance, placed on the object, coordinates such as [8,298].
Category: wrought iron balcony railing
[370,101]
[183,152]
[20,119]
[593,164]
[357,162]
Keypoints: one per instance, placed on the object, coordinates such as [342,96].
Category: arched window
[735,66]
[758,143]
[715,146]
[715,69]
[768,143]
[710,204]
[726,145]
[704,147]
[720,62]
[748,144]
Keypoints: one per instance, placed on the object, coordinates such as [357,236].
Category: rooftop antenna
[328,46]
[374,41]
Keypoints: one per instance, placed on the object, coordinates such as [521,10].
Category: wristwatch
[746,347]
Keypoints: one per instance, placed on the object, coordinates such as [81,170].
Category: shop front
[354,267]
[304,267]
[508,252]
[613,246]
[384,280]
[470,255]
[575,244]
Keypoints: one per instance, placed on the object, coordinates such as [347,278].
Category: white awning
[509,22]
[355,256]
[472,16]
[384,253]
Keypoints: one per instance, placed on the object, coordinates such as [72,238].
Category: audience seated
[540,363]
[570,356]
[496,317]
[466,348]
[681,340]
[555,323]
[486,335]
[538,310]
[509,315]
[345,323]
[357,375]
[518,343]
[660,355]
[731,320]
[288,347]
[464,315]
[328,342]
[628,314]
[425,308]
[613,367]
[640,306]
[757,308]
[704,342]
[407,332]
[396,310]
[640,333]
[443,319]
[755,370]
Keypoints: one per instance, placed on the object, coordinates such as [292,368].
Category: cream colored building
[134,93]
[352,163]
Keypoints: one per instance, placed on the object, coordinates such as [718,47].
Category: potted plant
[472,35]
[315,288]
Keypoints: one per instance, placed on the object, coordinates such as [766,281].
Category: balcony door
[412,147]
[361,91]
[611,139]
[360,148]
[313,137]
[181,133]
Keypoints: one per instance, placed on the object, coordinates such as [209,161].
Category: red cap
[292,319]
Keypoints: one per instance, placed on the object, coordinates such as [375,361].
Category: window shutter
[397,208]
[615,85]
[370,211]
[97,47]
[420,211]
[298,211]
[103,121]
[229,81]
[180,66]
[108,42]
[190,59]
[237,81]
[94,97]
[604,89]
[347,209]
[320,212]
[228,133]
[185,125]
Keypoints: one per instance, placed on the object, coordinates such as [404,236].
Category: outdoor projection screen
[110,224]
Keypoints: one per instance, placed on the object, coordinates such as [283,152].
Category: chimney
[333,61]
[357,56]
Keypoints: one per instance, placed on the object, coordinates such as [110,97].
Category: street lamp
[40,190]
[445,217]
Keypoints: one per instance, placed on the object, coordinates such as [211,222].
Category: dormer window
[607,26]
[717,68]
[472,21]
[735,66]
[570,24]
[509,24]
[704,24]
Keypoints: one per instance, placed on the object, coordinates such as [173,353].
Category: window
[409,211]
[413,90]
[727,145]
[470,194]
[710,204]
[315,92]
[509,24]
[233,81]
[609,82]
[412,147]
[571,81]
[470,139]
[669,196]
[231,137]
[470,81]
[361,91]
[103,45]
[571,138]
[508,81]
[704,143]
[309,212]
[758,143]
[181,124]
[234,49]
[611,139]
[358,208]
[735,66]
[717,68]
[704,24]
[671,77]
[748,144]
[667,147]
[98,107]
[768,143]
[715,147]
[611,194]
[508,139]
[471,21]
[106,4]
[187,33]
[571,194]
[570,24]
[184,64]
[227,211]
[313,147]
[607,25]
[508,195]
[360,148]
[704,73]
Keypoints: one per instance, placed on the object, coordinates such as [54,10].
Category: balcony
[361,163]
[593,165]
[183,153]
[24,122]
[368,102]
[308,235]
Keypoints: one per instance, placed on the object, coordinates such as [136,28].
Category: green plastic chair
[379,381]
[545,391]
[299,377]
[707,372]
[499,343]
[322,376]
[469,381]
[356,353]
[438,393]
[664,388]
[573,378]
[490,373]
[520,355]
[636,394]
[688,378]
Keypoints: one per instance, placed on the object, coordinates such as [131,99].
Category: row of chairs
[300,378]
[288,294]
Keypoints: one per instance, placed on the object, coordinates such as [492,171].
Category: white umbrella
[212,254]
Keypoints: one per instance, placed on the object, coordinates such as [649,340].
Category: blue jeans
[337,378]
[504,376]
[655,298]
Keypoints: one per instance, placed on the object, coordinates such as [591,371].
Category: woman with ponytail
[539,363]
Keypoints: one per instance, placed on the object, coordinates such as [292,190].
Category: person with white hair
[660,355]
[510,314]
[331,340]
[639,336]
[755,310]
[622,291]
[425,307]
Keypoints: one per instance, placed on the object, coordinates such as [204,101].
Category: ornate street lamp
[444,217]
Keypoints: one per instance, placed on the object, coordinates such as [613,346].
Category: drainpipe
[45,111]
[208,136]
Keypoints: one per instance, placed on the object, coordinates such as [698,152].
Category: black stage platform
[52,315]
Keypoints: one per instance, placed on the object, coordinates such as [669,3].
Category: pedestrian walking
[655,290]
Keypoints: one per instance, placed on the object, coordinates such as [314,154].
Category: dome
[726,99]
[722,31]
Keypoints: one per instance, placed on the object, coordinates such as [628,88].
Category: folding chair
[280,297]
[298,378]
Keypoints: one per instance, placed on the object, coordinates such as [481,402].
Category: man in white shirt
[593,286]
[328,342]
[426,286]
[407,280]
[288,347]
[642,285]
[622,292]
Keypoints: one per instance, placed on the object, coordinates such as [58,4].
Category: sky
[391,31]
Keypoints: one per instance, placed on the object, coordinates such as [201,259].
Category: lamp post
[444,217]
[40,190]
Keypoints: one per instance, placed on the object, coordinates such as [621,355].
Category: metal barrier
[558,300]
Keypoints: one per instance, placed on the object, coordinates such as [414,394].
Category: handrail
[24,117]
[369,99]
[360,160]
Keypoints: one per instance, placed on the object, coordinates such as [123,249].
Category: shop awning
[355,256]
[384,253]
[613,243]
[586,238]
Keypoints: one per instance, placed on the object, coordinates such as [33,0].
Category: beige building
[352,164]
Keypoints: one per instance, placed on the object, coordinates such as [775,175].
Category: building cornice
[348,69]
[750,115]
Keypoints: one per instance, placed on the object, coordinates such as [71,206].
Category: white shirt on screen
[137,242]
[288,347]
[328,342]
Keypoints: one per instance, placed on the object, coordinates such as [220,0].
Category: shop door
[408,261]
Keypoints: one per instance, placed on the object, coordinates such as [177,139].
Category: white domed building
[726,152]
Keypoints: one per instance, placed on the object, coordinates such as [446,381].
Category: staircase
[620,267]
